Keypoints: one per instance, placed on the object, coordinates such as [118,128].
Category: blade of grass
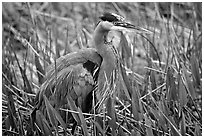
[195,70]
[40,70]
[148,129]
[43,124]
[111,113]
[172,124]
[99,128]
[182,93]
[135,106]
[50,112]
[183,124]
[74,108]
[188,83]
[83,122]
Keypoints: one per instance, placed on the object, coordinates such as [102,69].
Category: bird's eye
[114,23]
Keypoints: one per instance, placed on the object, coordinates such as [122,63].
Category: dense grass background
[163,69]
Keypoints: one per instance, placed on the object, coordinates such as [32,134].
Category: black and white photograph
[101,68]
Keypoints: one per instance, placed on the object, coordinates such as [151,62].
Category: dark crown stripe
[111,17]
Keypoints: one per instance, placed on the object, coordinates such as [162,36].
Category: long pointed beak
[125,24]
[121,26]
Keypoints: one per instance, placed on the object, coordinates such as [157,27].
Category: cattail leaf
[87,35]
[111,113]
[121,132]
[126,51]
[173,90]
[172,93]
[188,83]
[152,78]
[59,118]
[24,76]
[25,80]
[27,83]
[163,110]
[7,123]
[99,128]
[38,120]
[162,120]
[20,124]
[174,130]
[79,40]
[183,124]
[155,114]
[135,106]
[148,123]
[83,122]
[168,79]
[11,110]
[74,108]
[40,71]
[182,94]
[128,125]
[67,42]
[43,124]
[125,82]
[154,53]
[159,119]
[57,46]
[137,102]
[135,132]
[195,70]
[51,114]
[198,131]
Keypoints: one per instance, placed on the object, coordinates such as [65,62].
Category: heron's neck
[107,52]
[104,49]
[99,38]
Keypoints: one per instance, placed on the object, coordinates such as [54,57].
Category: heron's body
[77,74]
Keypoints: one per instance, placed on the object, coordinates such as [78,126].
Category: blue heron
[80,73]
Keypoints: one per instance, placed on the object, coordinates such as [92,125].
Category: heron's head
[112,21]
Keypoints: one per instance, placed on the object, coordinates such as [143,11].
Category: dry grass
[162,73]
